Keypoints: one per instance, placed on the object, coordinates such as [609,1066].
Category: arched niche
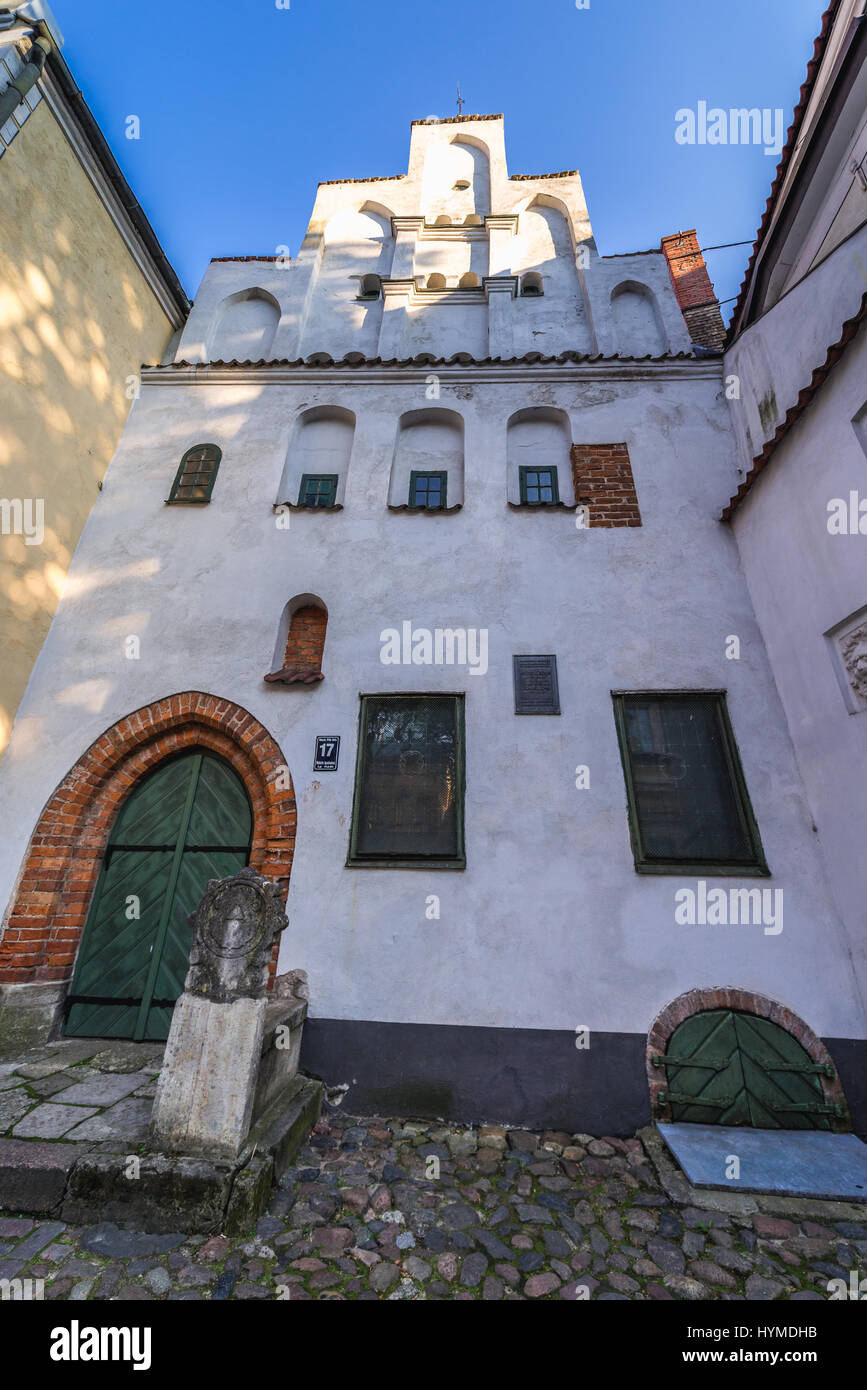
[550,315]
[457,179]
[539,437]
[428,441]
[638,329]
[244,326]
[320,446]
[298,652]
[344,315]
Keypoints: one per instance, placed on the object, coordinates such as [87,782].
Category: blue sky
[244,106]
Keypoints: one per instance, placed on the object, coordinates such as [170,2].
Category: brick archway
[63,859]
[696,1001]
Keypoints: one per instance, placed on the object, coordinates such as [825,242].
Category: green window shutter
[688,803]
[409,787]
[318,490]
[729,1068]
[187,822]
[539,486]
[428,489]
[194,480]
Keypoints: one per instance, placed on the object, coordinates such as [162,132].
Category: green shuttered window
[538,486]
[427,489]
[688,803]
[318,490]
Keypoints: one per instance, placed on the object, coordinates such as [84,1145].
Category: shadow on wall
[69,340]
[244,326]
[638,323]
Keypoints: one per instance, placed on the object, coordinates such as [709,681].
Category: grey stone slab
[14,1104]
[51,1085]
[32,1071]
[806,1163]
[51,1121]
[43,1235]
[126,1120]
[129,1057]
[101,1089]
[33,1176]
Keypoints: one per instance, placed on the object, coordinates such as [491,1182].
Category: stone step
[286,1123]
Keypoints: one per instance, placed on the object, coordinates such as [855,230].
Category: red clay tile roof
[289,677]
[813,66]
[817,380]
[427,359]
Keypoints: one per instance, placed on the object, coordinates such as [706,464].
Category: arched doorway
[187,821]
[726,1066]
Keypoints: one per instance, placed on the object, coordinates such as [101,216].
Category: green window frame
[195,478]
[539,486]
[408,800]
[318,490]
[428,489]
[689,808]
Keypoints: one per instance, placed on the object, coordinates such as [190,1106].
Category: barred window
[408,806]
[688,801]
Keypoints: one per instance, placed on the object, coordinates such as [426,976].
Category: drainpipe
[27,78]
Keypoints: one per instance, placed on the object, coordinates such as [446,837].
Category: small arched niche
[531,283]
[300,643]
[538,440]
[637,321]
[436,281]
[317,462]
[469,281]
[427,471]
[244,326]
[369,287]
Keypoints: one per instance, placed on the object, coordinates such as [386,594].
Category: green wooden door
[187,822]
[730,1068]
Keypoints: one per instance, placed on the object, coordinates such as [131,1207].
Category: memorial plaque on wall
[327,753]
[536,685]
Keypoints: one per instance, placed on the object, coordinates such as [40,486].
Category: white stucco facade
[549,926]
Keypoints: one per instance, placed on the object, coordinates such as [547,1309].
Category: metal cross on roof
[460,101]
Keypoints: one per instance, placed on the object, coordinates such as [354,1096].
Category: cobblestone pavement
[399,1209]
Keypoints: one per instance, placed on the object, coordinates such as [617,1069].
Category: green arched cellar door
[726,1068]
[187,822]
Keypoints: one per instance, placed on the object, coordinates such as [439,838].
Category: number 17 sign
[327,753]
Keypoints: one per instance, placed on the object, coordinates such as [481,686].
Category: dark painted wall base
[518,1076]
[849,1056]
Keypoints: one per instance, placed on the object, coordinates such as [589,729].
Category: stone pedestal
[206,1090]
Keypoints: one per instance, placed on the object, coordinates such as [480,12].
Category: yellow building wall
[77,318]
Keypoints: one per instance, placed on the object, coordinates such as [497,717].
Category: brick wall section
[306,640]
[743,1001]
[64,857]
[694,290]
[602,477]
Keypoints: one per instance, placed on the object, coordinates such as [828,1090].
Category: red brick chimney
[692,285]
